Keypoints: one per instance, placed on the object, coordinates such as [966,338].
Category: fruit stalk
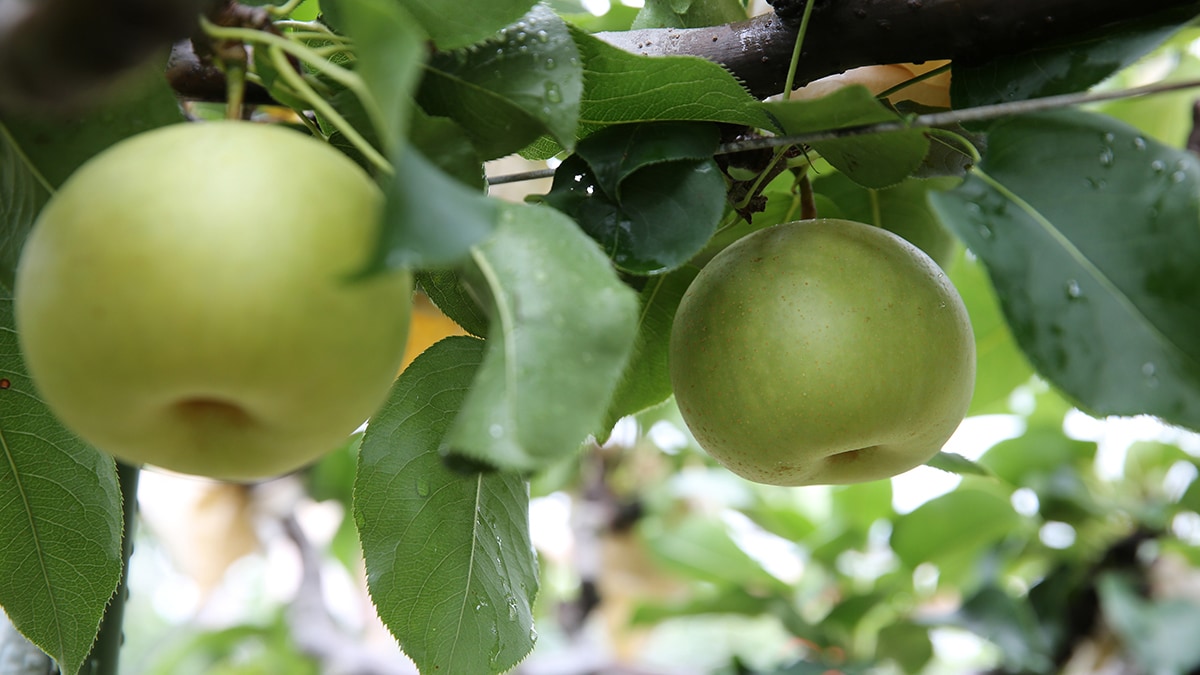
[105,656]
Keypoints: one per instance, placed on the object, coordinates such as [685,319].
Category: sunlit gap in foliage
[601,7]
[973,438]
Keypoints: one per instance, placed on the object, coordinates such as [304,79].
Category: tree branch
[845,34]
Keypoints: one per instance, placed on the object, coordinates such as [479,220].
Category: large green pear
[192,298]
[822,352]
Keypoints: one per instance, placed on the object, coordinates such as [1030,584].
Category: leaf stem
[883,95]
[285,9]
[949,117]
[790,81]
[277,46]
[324,108]
[235,88]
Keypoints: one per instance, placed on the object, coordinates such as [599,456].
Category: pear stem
[106,652]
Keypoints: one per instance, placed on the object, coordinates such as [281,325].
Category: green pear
[192,298]
[822,352]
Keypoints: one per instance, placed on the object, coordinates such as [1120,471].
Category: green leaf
[688,13]
[1089,232]
[665,213]
[1165,117]
[429,218]
[389,51]
[450,565]
[1010,624]
[23,192]
[871,160]
[624,87]
[1024,460]
[446,290]
[562,327]
[618,152]
[646,381]
[1147,462]
[463,22]
[700,547]
[727,600]
[40,153]
[901,208]
[1160,635]
[906,643]
[444,143]
[953,527]
[60,518]
[58,145]
[1065,68]
[957,464]
[507,91]
[1000,366]
[858,506]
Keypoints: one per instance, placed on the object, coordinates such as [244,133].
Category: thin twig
[939,119]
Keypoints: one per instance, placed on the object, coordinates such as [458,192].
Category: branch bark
[844,34]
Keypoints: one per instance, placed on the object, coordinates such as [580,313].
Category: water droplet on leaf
[553,93]
[1074,292]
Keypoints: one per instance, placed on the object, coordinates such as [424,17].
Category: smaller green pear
[822,352]
[191,298]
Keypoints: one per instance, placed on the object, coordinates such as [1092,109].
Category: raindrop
[524,49]
[1074,292]
[533,634]
[499,52]
[1178,177]
[553,93]
[512,608]
[985,231]
[543,36]
[1158,166]
[496,431]
[1109,137]
[522,36]
[1150,373]
[423,486]
[1106,157]
[550,63]
[1139,143]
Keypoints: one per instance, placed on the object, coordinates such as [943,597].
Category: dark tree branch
[845,34]
[61,54]
[842,34]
